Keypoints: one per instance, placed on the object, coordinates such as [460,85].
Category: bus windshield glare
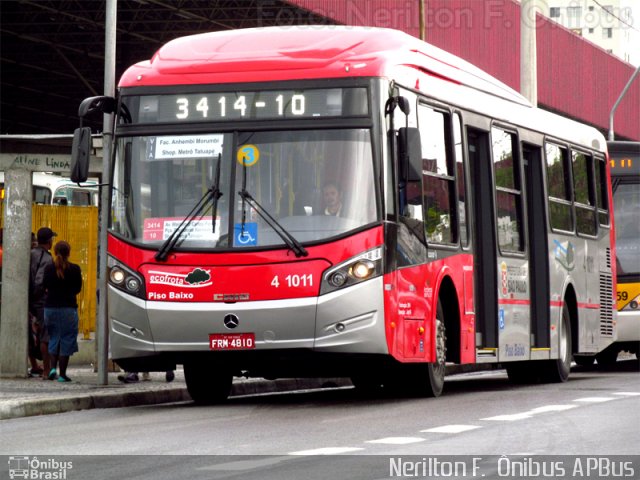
[316,184]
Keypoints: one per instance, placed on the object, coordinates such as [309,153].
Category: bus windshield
[316,184]
[626,198]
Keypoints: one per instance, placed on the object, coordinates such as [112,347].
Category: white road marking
[627,394]
[521,416]
[326,451]
[509,418]
[552,408]
[397,440]
[451,429]
[593,399]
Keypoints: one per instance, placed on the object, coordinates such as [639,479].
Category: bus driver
[332,198]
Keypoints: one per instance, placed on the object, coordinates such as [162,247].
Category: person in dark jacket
[63,281]
[40,258]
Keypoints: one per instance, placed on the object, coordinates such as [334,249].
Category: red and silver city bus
[314,201]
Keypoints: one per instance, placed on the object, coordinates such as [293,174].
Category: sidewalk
[34,396]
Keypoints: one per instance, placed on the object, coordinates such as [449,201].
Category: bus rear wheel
[557,370]
[205,384]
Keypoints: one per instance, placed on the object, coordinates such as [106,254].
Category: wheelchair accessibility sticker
[248,155]
[246,237]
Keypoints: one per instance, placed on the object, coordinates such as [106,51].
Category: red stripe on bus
[593,306]
[513,301]
[558,303]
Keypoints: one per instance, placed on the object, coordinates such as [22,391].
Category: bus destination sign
[624,158]
[248,105]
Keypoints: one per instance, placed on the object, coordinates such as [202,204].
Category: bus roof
[303,52]
[328,52]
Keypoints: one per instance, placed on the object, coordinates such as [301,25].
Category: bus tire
[557,370]
[205,385]
[422,379]
[436,370]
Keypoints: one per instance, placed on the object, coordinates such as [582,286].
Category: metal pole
[615,105]
[528,55]
[423,35]
[107,135]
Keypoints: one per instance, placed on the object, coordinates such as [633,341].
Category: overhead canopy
[52,51]
[44,153]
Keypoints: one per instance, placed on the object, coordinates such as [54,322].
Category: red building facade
[575,77]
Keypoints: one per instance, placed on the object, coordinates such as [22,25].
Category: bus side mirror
[409,155]
[80,154]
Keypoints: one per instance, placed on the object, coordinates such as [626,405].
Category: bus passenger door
[538,248]
[484,241]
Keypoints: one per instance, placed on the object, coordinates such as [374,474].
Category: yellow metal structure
[79,227]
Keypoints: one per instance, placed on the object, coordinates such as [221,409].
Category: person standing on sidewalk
[63,281]
[40,259]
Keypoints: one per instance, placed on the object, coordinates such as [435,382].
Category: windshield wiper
[216,194]
[291,242]
[294,245]
[212,194]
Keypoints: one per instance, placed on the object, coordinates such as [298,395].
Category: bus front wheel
[205,384]
[431,381]
[436,370]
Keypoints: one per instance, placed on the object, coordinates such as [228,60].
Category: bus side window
[80,197]
[460,177]
[584,191]
[506,166]
[438,171]
[559,188]
[41,195]
[601,191]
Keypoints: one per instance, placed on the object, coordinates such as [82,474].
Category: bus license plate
[235,341]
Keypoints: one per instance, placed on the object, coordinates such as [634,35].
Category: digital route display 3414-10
[248,105]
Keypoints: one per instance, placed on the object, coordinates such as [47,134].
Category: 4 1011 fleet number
[294,281]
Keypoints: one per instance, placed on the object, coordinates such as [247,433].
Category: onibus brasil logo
[35,468]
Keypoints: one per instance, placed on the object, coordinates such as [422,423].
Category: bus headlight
[117,276]
[362,267]
[124,279]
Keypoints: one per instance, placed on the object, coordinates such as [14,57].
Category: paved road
[482,414]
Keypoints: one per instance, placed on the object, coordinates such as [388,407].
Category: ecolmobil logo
[40,469]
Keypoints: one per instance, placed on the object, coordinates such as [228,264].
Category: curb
[46,406]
